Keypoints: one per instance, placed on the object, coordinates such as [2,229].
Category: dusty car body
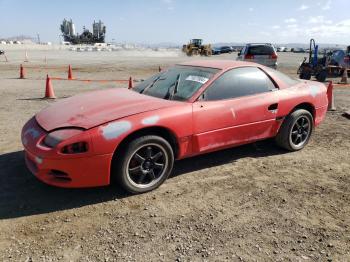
[85,140]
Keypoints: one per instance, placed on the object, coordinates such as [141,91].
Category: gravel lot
[250,203]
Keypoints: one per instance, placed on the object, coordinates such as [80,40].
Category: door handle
[273,107]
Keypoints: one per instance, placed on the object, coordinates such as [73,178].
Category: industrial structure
[86,37]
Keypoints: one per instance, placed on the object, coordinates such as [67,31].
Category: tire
[321,76]
[136,162]
[287,132]
[306,75]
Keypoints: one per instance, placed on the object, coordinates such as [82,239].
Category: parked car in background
[298,50]
[264,54]
[226,49]
[281,49]
[216,51]
[221,50]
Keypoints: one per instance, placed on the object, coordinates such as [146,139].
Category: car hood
[94,108]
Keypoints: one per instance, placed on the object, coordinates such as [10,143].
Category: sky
[177,21]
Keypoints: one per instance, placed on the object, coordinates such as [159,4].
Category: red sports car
[192,108]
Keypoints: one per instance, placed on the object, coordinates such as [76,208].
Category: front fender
[178,120]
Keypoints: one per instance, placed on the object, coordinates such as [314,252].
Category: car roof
[250,44]
[219,64]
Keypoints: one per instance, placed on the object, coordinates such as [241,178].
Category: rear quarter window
[281,76]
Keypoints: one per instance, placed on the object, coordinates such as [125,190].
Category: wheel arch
[161,131]
[306,106]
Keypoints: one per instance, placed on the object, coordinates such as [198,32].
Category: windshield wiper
[170,96]
[150,85]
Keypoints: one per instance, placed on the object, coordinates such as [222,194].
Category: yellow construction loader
[195,47]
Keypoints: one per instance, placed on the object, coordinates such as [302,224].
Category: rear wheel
[305,74]
[296,130]
[144,164]
[321,76]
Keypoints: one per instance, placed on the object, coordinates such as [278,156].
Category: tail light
[273,56]
[248,56]
[75,148]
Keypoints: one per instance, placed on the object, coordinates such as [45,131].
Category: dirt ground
[250,203]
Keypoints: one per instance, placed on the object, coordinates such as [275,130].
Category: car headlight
[58,136]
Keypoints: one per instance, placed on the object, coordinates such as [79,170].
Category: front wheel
[144,164]
[296,130]
[321,76]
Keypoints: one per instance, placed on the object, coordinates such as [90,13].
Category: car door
[238,108]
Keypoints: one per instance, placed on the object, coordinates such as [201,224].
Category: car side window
[239,82]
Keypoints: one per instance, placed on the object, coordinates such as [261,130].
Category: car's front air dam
[91,171]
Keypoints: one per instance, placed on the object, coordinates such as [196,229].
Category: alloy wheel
[147,165]
[300,131]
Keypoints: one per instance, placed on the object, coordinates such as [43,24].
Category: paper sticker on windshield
[199,79]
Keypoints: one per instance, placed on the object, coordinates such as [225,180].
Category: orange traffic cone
[70,73]
[22,72]
[331,105]
[49,93]
[344,78]
[131,83]
[26,57]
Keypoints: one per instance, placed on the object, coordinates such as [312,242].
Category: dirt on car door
[221,124]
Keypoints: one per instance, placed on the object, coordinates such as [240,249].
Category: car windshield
[176,83]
